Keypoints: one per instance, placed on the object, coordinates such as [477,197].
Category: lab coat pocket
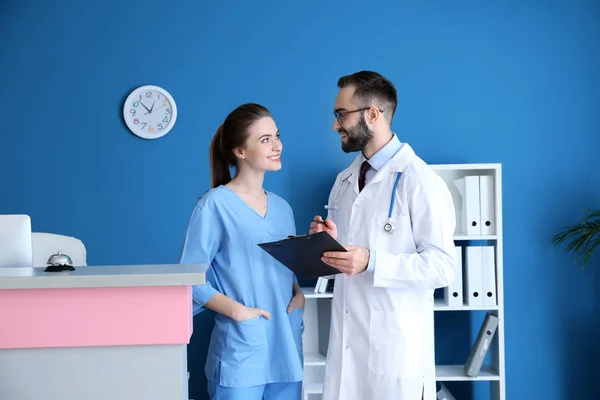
[395,344]
[396,240]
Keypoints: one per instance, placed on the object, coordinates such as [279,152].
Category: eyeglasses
[339,115]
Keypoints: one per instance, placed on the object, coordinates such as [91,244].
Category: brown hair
[232,134]
[372,88]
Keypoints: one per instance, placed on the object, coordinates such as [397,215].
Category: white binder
[473,276]
[488,263]
[470,215]
[453,293]
[318,285]
[486,201]
[443,393]
[321,286]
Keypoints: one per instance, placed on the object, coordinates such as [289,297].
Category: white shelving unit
[318,306]
[317,312]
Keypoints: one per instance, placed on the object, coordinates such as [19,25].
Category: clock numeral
[164,103]
[150,128]
[136,121]
[132,111]
[148,95]
[165,119]
[144,123]
[160,126]
[136,103]
[168,111]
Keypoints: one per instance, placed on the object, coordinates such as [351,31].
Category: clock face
[150,112]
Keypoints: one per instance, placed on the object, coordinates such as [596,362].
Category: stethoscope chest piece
[389,227]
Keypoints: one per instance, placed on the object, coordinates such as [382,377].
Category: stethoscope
[389,226]
[337,195]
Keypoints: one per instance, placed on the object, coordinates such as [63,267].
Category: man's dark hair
[372,89]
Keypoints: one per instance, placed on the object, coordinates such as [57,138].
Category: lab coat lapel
[396,164]
[402,158]
[354,169]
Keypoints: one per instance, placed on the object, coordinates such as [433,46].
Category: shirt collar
[388,151]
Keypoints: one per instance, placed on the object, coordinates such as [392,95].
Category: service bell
[59,262]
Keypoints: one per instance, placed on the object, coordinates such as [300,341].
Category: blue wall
[514,83]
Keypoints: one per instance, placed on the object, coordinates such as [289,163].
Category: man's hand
[352,262]
[318,225]
[297,300]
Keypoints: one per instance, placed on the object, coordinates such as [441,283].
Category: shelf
[448,373]
[313,387]
[309,293]
[444,373]
[314,359]
[465,167]
[461,236]
[440,305]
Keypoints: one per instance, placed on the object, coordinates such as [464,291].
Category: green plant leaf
[582,238]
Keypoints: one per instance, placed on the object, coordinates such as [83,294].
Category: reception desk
[96,333]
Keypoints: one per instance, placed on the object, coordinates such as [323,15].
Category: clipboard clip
[294,237]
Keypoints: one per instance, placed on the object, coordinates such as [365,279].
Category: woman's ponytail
[219,166]
[232,134]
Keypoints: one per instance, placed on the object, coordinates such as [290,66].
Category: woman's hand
[234,310]
[246,313]
[298,298]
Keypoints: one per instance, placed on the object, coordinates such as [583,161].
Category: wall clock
[150,112]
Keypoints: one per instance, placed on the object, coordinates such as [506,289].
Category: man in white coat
[395,216]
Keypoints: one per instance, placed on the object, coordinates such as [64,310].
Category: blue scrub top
[224,231]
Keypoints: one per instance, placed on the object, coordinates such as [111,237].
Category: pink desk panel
[35,318]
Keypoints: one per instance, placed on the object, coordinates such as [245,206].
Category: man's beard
[357,137]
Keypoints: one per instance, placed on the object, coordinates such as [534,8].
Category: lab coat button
[356,205]
[346,311]
[347,347]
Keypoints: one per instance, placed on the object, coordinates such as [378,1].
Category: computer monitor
[15,241]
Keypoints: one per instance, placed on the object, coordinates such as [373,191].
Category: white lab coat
[381,344]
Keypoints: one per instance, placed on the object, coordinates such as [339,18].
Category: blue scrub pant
[270,391]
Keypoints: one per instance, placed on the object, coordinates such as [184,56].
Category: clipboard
[302,254]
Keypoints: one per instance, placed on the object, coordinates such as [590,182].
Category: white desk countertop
[104,276]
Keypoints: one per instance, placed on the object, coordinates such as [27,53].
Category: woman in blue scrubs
[255,349]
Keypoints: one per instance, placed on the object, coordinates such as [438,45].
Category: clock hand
[144,106]
[151,108]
